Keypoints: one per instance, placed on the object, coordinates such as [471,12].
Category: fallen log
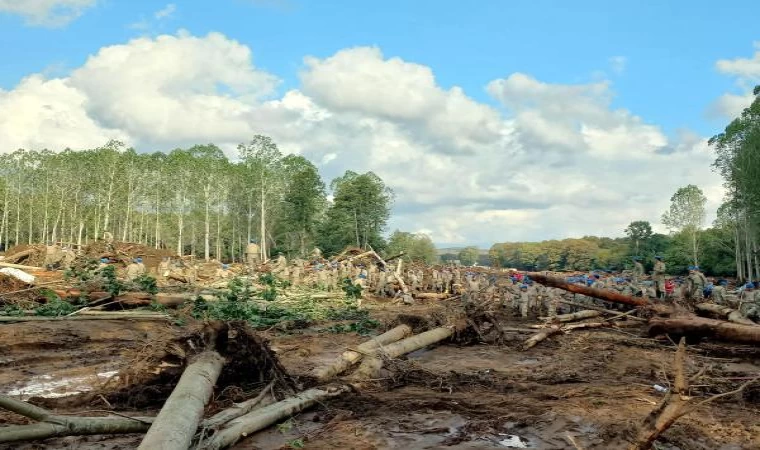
[580,315]
[262,418]
[175,425]
[19,266]
[100,295]
[372,364]
[602,294]
[598,308]
[723,312]
[431,295]
[541,336]
[50,425]
[263,399]
[702,327]
[350,357]
[86,316]
[16,257]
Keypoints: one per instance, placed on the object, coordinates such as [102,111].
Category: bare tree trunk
[371,365]
[175,425]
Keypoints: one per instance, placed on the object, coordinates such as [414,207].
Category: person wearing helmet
[750,306]
[135,269]
[658,277]
[696,283]
[223,272]
[719,293]
[523,301]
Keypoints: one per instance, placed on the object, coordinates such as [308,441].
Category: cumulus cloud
[561,162]
[745,68]
[165,12]
[50,13]
[747,74]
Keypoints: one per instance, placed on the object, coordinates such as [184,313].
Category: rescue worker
[750,306]
[222,272]
[638,270]
[658,277]
[252,254]
[696,284]
[53,256]
[163,269]
[719,293]
[135,269]
[523,300]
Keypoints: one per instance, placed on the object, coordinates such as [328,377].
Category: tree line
[192,200]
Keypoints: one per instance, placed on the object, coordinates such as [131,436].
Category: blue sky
[573,118]
[670,47]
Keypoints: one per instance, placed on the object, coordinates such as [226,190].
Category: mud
[596,385]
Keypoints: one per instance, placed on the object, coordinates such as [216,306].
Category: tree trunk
[264,398]
[603,294]
[541,336]
[580,315]
[724,312]
[701,327]
[175,425]
[372,364]
[262,418]
[350,357]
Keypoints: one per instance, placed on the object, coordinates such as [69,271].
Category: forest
[195,200]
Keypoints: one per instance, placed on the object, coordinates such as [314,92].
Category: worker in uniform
[658,277]
[638,270]
[135,269]
[719,293]
[523,301]
[750,306]
[696,282]
[252,254]
[53,255]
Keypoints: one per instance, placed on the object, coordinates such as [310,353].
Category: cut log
[431,295]
[541,336]
[702,327]
[348,358]
[580,315]
[263,399]
[602,294]
[50,425]
[371,365]
[87,316]
[19,266]
[178,419]
[262,418]
[724,312]
[597,308]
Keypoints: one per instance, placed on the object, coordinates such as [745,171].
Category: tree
[304,200]
[469,256]
[358,214]
[417,247]
[639,232]
[687,215]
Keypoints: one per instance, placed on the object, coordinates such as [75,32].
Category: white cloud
[50,13]
[744,68]
[618,64]
[561,163]
[747,74]
[166,12]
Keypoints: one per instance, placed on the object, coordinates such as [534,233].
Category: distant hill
[456,250]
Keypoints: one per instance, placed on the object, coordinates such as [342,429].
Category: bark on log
[263,399]
[371,365]
[431,295]
[597,308]
[19,266]
[262,418]
[541,336]
[348,358]
[724,312]
[85,316]
[699,326]
[580,315]
[175,425]
[51,425]
[602,294]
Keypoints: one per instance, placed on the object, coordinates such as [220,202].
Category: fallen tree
[723,312]
[175,425]
[51,425]
[701,327]
[265,398]
[572,317]
[372,364]
[350,357]
[602,294]
[262,418]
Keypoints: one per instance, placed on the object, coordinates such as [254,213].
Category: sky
[492,121]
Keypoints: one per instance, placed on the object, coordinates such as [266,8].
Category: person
[281,265]
[103,262]
[638,270]
[658,277]
[316,254]
[135,269]
[750,306]
[252,254]
[523,301]
[719,293]
[53,255]
[163,269]
[696,284]
[222,272]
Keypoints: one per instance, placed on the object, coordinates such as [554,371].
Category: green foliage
[687,215]
[469,256]
[352,290]
[640,234]
[417,247]
[12,310]
[296,443]
[358,214]
[55,308]
[147,283]
[362,327]
[157,307]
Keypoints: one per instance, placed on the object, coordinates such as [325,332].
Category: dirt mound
[12,284]
[126,252]
[30,255]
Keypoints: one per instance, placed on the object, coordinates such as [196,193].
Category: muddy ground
[595,385]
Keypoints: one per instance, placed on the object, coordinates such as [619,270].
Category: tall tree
[469,256]
[416,246]
[304,200]
[687,215]
[639,232]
